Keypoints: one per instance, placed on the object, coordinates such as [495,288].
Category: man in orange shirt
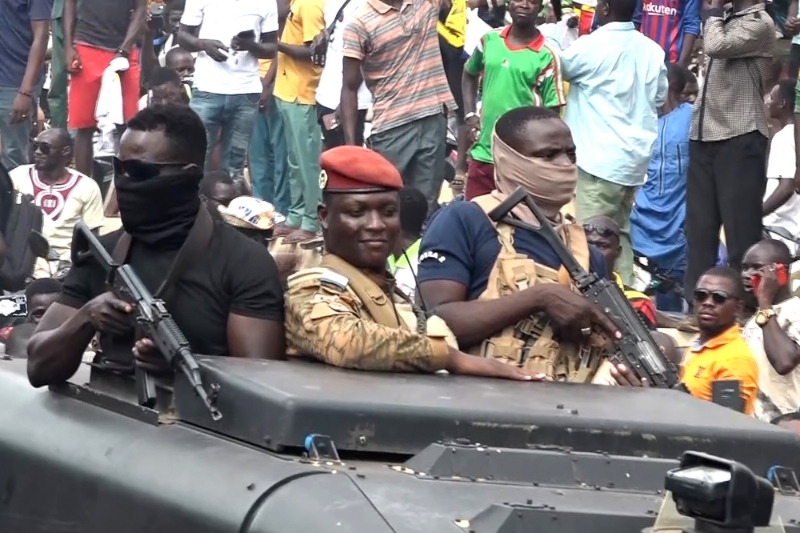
[719,353]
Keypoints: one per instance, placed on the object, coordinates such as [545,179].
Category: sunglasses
[603,231]
[43,147]
[718,297]
[144,170]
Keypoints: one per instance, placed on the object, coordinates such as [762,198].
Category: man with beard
[349,312]
[221,288]
[501,289]
[64,195]
[719,353]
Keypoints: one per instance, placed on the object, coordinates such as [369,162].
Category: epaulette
[324,276]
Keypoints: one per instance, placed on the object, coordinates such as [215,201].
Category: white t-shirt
[329,89]
[781,165]
[777,394]
[221,20]
[63,206]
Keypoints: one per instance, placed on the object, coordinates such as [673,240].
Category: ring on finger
[586,331]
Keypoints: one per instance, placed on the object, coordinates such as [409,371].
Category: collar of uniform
[727,336]
[617,26]
[535,44]
[383,7]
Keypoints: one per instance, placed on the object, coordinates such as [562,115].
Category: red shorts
[84,86]
[480,179]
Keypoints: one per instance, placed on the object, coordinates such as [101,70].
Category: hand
[237,43]
[319,48]
[286,263]
[148,358]
[626,378]
[471,365]
[263,102]
[20,108]
[214,49]
[768,287]
[571,312]
[792,25]
[107,313]
[72,60]
[473,123]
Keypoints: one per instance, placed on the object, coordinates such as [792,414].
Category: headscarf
[551,185]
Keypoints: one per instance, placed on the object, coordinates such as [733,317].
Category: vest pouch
[518,272]
[505,349]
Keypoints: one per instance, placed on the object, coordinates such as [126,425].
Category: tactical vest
[395,312]
[529,343]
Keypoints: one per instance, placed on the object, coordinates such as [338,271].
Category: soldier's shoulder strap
[505,232]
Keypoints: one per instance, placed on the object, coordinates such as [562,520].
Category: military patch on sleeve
[334,279]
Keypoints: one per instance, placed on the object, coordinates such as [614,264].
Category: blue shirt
[659,209]
[666,22]
[617,80]
[16,36]
[461,245]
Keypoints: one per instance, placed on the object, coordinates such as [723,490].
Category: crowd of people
[275,172]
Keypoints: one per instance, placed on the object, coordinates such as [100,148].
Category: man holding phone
[230,38]
[773,333]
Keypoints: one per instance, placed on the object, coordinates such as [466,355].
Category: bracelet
[470,115]
[23,93]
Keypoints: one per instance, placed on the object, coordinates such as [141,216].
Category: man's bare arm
[348,106]
[255,338]
[135,26]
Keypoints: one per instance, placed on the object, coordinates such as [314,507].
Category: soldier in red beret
[348,312]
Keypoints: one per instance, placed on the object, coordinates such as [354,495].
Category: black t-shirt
[235,276]
[103,23]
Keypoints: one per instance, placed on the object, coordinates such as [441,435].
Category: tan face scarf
[551,185]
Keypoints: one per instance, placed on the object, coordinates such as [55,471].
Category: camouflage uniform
[326,318]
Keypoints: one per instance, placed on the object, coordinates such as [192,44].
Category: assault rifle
[151,315]
[636,349]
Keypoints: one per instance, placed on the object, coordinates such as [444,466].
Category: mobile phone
[780,274]
[330,121]
[247,34]
[727,393]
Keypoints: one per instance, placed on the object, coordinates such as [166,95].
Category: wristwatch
[763,316]
[470,115]
[123,53]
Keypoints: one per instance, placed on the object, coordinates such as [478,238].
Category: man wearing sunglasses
[64,195]
[226,296]
[603,234]
[719,353]
[773,333]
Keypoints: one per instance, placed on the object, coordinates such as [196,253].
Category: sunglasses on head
[144,170]
[603,231]
[43,147]
[718,297]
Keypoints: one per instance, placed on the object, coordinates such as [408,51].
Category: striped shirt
[400,60]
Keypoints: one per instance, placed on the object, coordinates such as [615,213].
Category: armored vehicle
[304,448]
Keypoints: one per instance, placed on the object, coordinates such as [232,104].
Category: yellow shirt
[725,357]
[454,27]
[263,67]
[296,80]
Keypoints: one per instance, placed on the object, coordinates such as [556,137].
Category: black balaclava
[159,211]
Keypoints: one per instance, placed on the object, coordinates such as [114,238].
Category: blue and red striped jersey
[666,22]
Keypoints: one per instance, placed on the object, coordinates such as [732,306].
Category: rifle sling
[190,253]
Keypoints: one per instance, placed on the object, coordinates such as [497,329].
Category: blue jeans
[670,301]
[268,159]
[229,119]
[15,138]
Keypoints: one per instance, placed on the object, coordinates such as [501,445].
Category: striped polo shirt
[400,60]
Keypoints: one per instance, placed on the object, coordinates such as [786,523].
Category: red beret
[355,168]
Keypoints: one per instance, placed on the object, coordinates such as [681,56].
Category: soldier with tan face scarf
[502,290]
